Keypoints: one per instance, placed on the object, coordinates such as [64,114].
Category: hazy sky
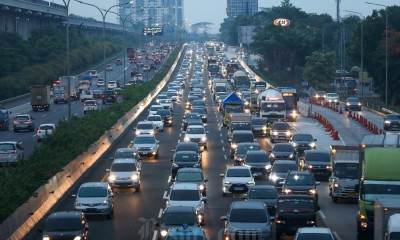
[214,11]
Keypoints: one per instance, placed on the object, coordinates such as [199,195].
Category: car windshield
[63,224]
[263,157]
[393,116]
[184,157]
[242,138]
[299,179]
[189,177]
[189,218]
[184,195]
[346,170]
[155,108]
[332,95]
[314,236]
[92,192]
[259,122]
[283,168]
[193,116]
[283,148]
[245,148]
[263,193]
[123,167]
[238,173]
[353,100]
[195,130]
[145,140]
[318,157]
[145,126]
[296,205]
[281,127]
[302,137]
[46,127]
[125,155]
[248,216]
[240,126]
[21,118]
[5,147]
[154,118]
[199,110]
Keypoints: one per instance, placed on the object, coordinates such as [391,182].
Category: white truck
[384,209]
[345,172]
[60,94]
[219,85]
[271,105]
[239,121]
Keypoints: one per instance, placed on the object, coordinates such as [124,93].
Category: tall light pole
[386,48]
[362,50]
[66,3]
[16,25]
[103,13]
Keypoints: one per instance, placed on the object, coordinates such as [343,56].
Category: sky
[214,11]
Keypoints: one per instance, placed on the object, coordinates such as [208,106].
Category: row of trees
[313,46]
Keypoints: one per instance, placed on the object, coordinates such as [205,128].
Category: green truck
[379,178]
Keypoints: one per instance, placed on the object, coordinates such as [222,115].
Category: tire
[156,156]
[335,199]
[224,194]
[272,140]
[109,216]
[137,189]
[15,130]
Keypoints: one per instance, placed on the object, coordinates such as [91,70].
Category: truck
[239,121]
[240,80]
[74,84]
[345,172]
[384,208]
[393,227]
[271,105]
[231,104]
[219,85]
[379,175]
[60,94]
[40,97]
[4,118]
[290,97]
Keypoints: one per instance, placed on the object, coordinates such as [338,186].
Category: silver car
[146,145]
[11,152]
[24,121]
[95,198]
[124,173]
[196,134]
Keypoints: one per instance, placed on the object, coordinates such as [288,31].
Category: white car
[153,109]
[90,105]
[157,122]
[87,95]
[167,104]
[44,131]
[332,98]
[109,67]
[314,233]
[93,73]
[111,85]
[144,127]
[237,179]
[100,82]
[124,173]
[197,134]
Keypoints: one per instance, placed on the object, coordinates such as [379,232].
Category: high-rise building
[235,8]
[167,13]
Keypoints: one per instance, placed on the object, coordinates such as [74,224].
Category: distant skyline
[214,11]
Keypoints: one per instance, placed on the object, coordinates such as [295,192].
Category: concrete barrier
[23,219]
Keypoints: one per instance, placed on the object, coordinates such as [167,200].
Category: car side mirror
[271,218]
[107,170]
[207,132]
[166,198]
[112,158]
[172,150]
[223,218]
[73,195]
[222,175]
[315,140]
[317,183]
[229,139]
[205,180]
[282,182]
[134,128]
[183,132]
[204,199]
[157,141]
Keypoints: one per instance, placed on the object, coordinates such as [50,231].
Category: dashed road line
[160,213]
[155,233]
[169,179]
[165,194]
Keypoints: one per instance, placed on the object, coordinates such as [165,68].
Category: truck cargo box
[382,164]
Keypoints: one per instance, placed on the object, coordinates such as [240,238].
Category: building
[241,7]
[166,13]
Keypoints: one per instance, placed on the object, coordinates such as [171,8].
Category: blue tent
[231,98]
[87,77]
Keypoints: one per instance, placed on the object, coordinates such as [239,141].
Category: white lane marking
[169,179]
[322,215]
[223,148]
[165,194]
[155,233]
[222,141]
[160,212]
[225,157]
[336,235]
[44,115]
[220,134]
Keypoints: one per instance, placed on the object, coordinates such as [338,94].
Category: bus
[291,98]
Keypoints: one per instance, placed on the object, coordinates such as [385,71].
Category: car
[266,194]
[185,159]
[139,78]
[190,117]
[65,225]
[167,104]
[258,161]
[353,104]
[293,212]
[124,173]
[192,175]
[95,198]
[24,122]
[199,104]
[391,122]
[203,113]
[186,232]
[110,97]
[161,96]
[100,82]
[144,127]
[111,85]
[153,109]
[134,71]
[196,134]
[187,146]
[303,141]
[176,216]
[318,162]
[44,130]
[242,149]
[332,98]
[259,126]
[281,131]
[89,106]
[281,151]
[97,94]
[157,122]
[190,99]
[93,73]
[237,179]
[279,171]
[247,220]
[109,67]
[146,68]
[125,153]
[320,96]
[166,115]
[118,62]
[307,233]
[146,145]
[186,194]
[11,152]
[300,182]
[239,136]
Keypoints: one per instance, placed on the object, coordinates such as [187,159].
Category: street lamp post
[103,13]
[362,50]
[16,25]
[66,3]
[386,48]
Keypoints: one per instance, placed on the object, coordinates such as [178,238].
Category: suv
[293,212]
[284,151]
[166,115]
[239,136]
[353,103]
[259,126]
[95,198]
[391,122]
[66,225]
[300,182]
[279,171]
[146,145]
[318,162]
[196,134]
[258,161]
[89,105]
[242,149]
[237,179]
[124,173]
[332,98]
[11,152]
[303,141]
[281,131]
[266,194]
[313,233]
[247,220]
[24,121]
[144,128]
[126,153]
[184,159]
[192,175]
[190,117]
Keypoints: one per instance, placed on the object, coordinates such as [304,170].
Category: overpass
[24,16]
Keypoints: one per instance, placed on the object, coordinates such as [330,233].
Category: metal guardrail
[13,99]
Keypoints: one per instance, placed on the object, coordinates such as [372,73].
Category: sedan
[237,179]
[352,103]
[282,151]
[392,122]
[266,194]
[44,131]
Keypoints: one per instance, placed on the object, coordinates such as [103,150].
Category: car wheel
[224,194]
[137,189]
[272,140]
[156,156]
[15,130]
[335,199]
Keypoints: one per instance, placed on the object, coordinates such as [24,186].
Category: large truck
[290,97]
[239,121]
[219,85]
[74,85]
[40,97]
[379,161]
[345,172]
[60,94]
[271,105]
[240,80]
[231,104]
[384,208]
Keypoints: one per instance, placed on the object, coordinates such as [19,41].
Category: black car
[300,182]
[185,159]
[318,162]
[279,171]
[258,161]
[391,122]
[187,146]
[242,149]
[259,126]
[110,97]
[66,225]
[166,115]
[199,104]
[266,194]
[282,151]
[189,118]
[202,111]
[303,141]
[190,99]
[293,212]
[353,103]
[239,136]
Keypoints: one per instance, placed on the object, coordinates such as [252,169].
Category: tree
[319,70]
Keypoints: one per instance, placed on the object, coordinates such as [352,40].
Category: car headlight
[135,177]
[288,133]
[294,144]
[359,104]
[347,104]
[226,182]
[164,232]
[111,178]
[46,238]
[293,113]
[291,155]
[312,145]
[264,128]
[274,133]
[387,122]
[329,167]
[202,187]
[250,182]
[310,166]
[186,139]
[287,191]
[152,132]
[234,146]
[203,139]
[336,185]
[312,191]
[137,132]
[104,203]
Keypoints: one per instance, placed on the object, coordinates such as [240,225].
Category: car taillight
[14,151]
[27,121]
[16,121]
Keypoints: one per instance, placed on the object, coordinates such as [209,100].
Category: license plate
[351,195]
[91,209]
[142,152]
[238,188]
[257,173]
